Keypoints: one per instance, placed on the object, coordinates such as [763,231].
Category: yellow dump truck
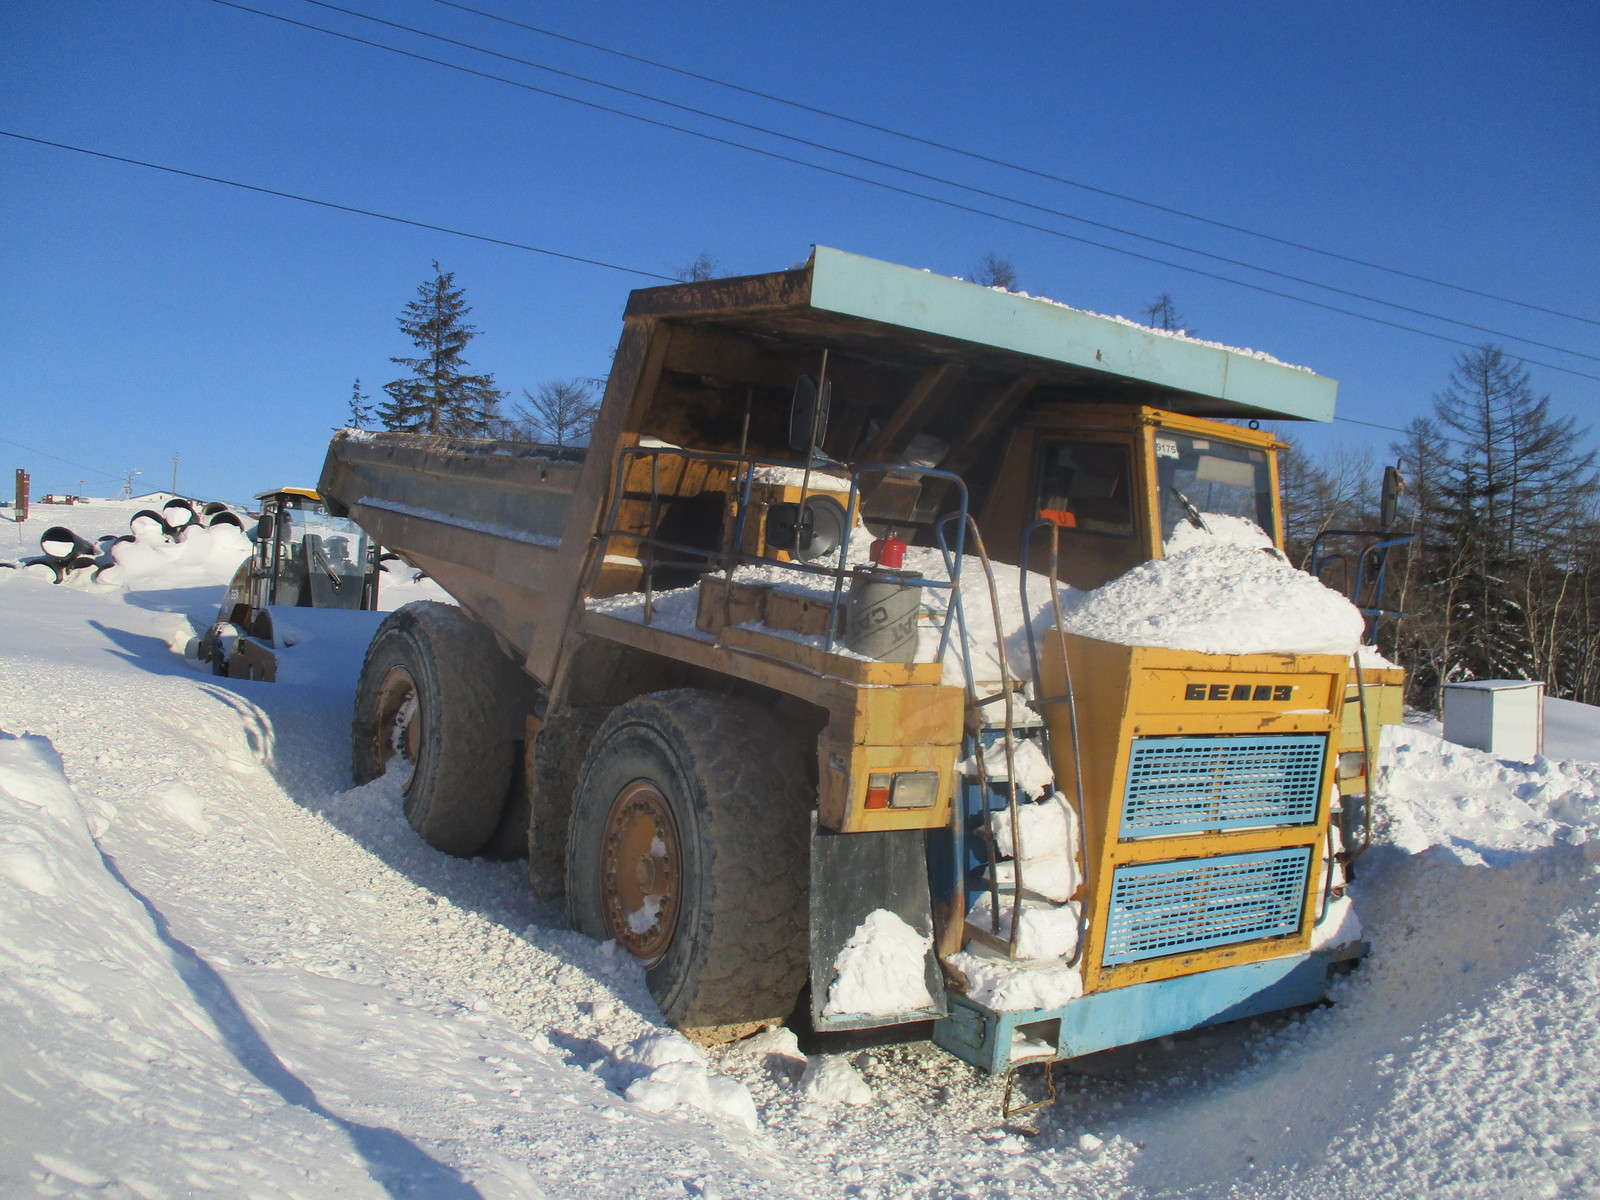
[745,678]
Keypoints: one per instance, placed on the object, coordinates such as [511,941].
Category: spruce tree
[439,396]
[362,413]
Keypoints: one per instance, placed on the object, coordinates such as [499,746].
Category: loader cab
[305,557]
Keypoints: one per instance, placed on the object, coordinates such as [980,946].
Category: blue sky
[149,315]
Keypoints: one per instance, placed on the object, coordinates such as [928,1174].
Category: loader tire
[436,690]
[687,846]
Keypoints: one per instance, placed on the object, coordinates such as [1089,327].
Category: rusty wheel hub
[641,871]
[399,732]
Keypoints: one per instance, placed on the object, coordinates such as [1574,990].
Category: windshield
[1213,476]
[324,560]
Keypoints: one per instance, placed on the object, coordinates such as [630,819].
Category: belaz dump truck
[772,680]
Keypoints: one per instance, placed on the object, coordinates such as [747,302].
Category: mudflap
[852,876]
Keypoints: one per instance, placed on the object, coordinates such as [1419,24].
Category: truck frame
[733,736]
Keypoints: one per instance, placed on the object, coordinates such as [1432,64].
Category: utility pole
[174,474]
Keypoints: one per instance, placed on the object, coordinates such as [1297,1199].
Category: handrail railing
[729,555]
[1372,569]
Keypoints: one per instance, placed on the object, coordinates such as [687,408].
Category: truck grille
[1189,784]
[1176,907]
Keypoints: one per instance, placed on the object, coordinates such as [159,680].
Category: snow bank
[1478,808]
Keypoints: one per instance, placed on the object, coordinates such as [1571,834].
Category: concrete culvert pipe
[179,514]
[151,518]
[213,508]
[225,517]
[60,543]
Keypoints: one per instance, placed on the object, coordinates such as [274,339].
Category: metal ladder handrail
[731,557]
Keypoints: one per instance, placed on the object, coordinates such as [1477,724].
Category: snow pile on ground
[673,1072]
[1479,808]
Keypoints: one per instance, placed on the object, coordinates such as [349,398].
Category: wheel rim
[399,729]
[641,871]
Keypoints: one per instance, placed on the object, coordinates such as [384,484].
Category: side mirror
[264,527]
[808,414]
[1389,506]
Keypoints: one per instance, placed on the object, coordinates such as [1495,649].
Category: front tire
[437,694]
[687,846]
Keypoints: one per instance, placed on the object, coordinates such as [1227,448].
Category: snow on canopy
[225,971]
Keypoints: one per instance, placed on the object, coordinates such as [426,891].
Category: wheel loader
[744,678]
[304,557]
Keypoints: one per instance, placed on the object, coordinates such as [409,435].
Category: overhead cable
[946,182]
[882,185]
[403,221]
[349,208]
[1011,166]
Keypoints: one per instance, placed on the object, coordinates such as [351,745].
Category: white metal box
[1504,717]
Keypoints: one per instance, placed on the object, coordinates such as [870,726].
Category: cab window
[1086,490]
[1214,476]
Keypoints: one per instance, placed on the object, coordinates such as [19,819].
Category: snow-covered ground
[223,971]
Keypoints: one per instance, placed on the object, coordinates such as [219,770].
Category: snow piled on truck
[1225,590]
[224,971]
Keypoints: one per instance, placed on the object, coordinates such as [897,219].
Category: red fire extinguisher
[889,551]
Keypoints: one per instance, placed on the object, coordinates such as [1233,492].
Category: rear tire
[437,692]
[688,846]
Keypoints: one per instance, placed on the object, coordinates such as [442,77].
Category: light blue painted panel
[1123,1016]
[878,291]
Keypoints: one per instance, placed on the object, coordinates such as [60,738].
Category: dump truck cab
[777,704]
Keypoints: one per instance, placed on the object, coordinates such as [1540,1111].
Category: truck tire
[436,690]
[687,846]
[556,762]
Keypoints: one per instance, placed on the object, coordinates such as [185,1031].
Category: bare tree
[1320,493]
[1162,313]
[994,271]
[703,267]
[560,413]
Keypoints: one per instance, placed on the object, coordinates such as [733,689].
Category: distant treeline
[1502,577]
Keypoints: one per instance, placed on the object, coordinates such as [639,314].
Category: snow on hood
[1220,597]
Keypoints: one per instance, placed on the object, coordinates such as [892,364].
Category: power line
[939,179]
[1011,166]
[68,461]
[417,224]
[882,185]
[349,208]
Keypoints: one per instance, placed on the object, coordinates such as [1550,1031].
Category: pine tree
[439,396]
[362,414]
[1502,493]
